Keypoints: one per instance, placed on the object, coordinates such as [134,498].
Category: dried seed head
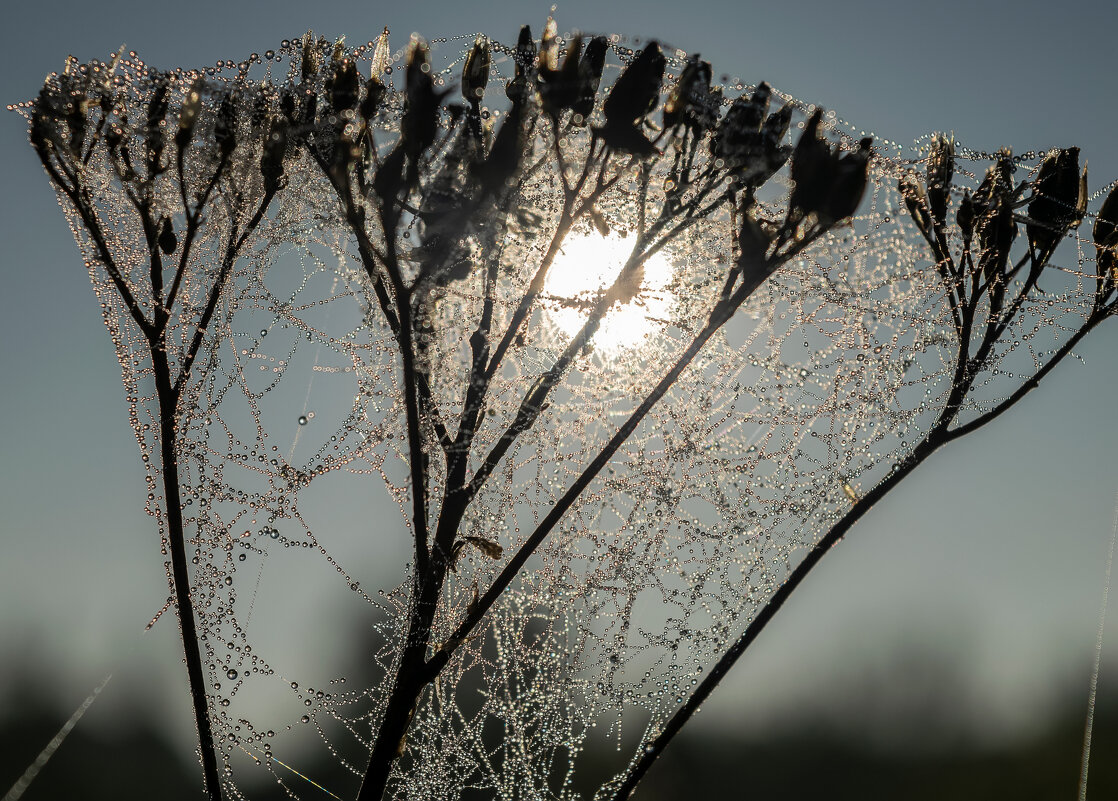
[475,72]
[1054,207]
[590,68]
[559,88]
[750,146]
[419,126]
[1105,234]
[225,128]
[848,183]
[689,102]
[637,90]
[272,155]
[310,60]
[519,88]
[188,115]
[506,154]
[964,217]
[382,57]
[916,201]
[811,169]
[941,168]
[344,86]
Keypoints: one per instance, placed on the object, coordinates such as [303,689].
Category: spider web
[295,468]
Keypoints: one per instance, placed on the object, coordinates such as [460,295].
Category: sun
[588,263]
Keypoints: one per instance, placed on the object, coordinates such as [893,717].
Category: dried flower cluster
[594,538]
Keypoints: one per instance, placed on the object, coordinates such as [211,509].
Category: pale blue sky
[1010,596]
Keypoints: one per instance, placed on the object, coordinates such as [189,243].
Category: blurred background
[944,650]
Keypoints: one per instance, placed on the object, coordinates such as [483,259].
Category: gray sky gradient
[987,562]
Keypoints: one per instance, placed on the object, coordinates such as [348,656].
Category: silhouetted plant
[458,214]
[163,204]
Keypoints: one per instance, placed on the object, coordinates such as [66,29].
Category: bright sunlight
[587,264]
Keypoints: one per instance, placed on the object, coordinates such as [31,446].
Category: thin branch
[231,253]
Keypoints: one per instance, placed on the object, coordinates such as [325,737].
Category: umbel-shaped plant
[163,204]
[610,479]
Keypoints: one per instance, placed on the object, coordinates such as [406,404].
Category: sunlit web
[294,454]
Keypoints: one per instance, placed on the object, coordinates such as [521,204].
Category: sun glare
[587,264]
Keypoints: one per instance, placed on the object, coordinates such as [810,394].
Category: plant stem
[168,400]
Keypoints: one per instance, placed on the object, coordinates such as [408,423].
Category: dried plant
[603,511]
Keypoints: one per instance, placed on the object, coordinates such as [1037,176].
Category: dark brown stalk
[167,398]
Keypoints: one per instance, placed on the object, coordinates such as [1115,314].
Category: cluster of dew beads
[293,442]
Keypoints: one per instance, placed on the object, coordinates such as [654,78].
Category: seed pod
[633,96]
[374,93]
[916,201]
[42,131]
[941,168]
[40,136]
[272,155]
[559,87]
[506,153]
[419,126]
[1105,234]
[188,116]
[225,127]
[997,184]
[748,148]
[848,183]
[812,165]
[688,103]
[343,90]
[389,176]
[337,55]
[995,231]
[1054,205]
[626,139]
[153,128]
[964,217]
[287,105]
[382,57]
[636,92]
[519,88]
[487,547]
[76,119]
[309,66]
[751,113]
[167,240]
[475,72]
[775,128]
[753,243]
[590,68]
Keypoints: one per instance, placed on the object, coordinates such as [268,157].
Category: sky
[997,589]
